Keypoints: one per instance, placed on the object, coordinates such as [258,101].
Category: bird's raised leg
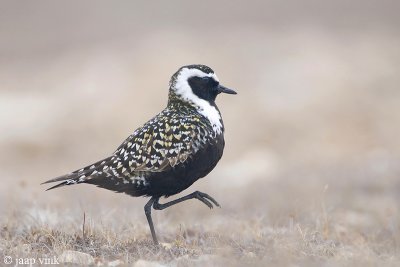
[153,202]
[203,197]
[147,211]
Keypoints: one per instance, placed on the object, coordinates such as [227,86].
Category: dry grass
[280,223]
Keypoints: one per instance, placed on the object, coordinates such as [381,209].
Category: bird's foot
[206,199]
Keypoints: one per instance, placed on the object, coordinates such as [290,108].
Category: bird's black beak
[223,89]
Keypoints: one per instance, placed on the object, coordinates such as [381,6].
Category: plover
[181,144]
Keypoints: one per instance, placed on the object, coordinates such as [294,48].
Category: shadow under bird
[181,144]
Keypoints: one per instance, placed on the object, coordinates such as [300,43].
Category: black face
[204,87]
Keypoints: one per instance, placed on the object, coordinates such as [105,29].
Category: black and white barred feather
[167,140]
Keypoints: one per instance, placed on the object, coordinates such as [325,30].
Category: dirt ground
[310,174]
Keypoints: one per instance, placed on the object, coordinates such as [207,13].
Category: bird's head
[196,83]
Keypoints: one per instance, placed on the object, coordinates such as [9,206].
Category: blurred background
[311,138]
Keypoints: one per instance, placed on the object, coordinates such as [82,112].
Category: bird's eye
[210,81]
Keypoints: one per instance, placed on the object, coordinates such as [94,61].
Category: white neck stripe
[183,89]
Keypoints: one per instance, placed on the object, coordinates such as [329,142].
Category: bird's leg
[203,197]
[153,202]
[147,211]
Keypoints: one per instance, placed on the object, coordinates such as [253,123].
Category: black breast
[185,174]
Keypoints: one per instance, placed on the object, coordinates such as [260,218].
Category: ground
[314,221]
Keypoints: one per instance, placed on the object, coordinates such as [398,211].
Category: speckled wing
[162,143]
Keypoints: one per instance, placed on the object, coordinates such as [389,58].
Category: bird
[171,151]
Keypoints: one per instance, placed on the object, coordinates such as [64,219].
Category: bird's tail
[79,176]
[67,179]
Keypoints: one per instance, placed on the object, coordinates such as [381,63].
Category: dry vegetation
[310,175]
[307,224]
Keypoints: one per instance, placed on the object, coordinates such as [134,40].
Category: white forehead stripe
[183,89]
[186,73]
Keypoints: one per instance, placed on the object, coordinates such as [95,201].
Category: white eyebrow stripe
[187,73]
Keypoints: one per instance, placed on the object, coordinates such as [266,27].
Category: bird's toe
[210,198]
